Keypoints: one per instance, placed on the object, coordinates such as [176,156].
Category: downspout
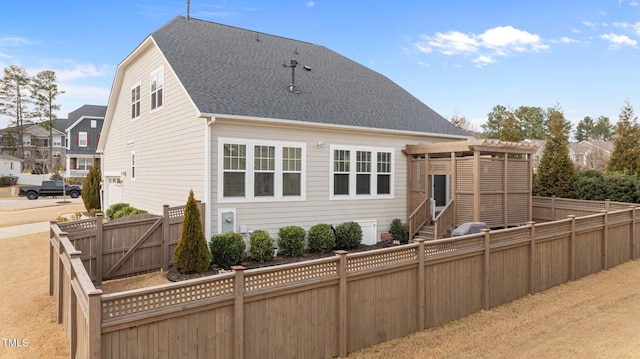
[208,193]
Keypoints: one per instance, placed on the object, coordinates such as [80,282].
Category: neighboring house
[9,165]
[83,133]
[591,154]
[34,152]
[267,131]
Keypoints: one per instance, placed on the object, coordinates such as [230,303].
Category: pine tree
[625,157]
[192,253]
[510,130]
[14,99]
[532,122]
[584,130]
[44,91]
[91,188]
[556,171]
[495,120]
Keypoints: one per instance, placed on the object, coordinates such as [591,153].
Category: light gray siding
[318,206]
[168,142]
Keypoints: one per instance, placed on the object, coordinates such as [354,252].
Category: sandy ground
[594,317]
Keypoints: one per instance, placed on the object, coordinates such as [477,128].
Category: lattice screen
[491,174]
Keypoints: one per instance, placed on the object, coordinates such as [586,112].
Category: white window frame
[136,101]
[353,172]
[156,77]
[94,123]
[82,136]
[250,171]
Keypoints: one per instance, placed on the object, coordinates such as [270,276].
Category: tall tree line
[26,100]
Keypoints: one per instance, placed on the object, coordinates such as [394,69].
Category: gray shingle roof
[232,71]
[87,110]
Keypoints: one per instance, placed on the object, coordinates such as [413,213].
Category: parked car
[50,189]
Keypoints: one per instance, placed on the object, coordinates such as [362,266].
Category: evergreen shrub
[321,238]
[261,246]
[192,254]
[227,249]
[348,235]
[291,241]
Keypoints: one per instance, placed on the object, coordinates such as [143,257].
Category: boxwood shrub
[321,238]
[261,246]
[348,235]
[291,241]
[227,249]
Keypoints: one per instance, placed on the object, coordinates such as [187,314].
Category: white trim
[137,84]
[208,190]
[352,172]
[249,179]
[160,72]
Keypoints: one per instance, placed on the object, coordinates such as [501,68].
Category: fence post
[421,284]
[99,239]
[485,270]
[202,208]
[607,204]
[238,309]
[632,242]
[95,323]
[605,241]
[60,278]
[51,237]
[532,258]
[73,316]
[164,251]
[572,248]
[343,326]
[553,208]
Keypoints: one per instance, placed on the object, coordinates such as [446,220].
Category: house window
[94,123]
[82,139]
[235,164]
[264,170]
[27,153]
[157,86]
[57,141]
[135,102]
[291,171]
[359,172]
[384,173]
[84,164]
[341,171]
[133,165]
[26,140]
[57,154]
[276,171]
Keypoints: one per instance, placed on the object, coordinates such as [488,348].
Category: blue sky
[459,57]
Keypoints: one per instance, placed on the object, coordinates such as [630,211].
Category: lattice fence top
[80,225]
[378,258]
[274,276]
[168,296]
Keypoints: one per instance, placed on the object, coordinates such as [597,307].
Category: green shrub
[589,185]
[261,246]
[94,211]
[128,211]
[115,208]
[348,235]
[321,238]
[91,188]
[227,249]
[397,231]
[291,241]
[4,181]
[192,254]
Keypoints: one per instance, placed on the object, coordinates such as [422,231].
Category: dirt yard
[594,317]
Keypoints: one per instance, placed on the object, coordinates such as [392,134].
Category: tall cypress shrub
[91,188]
[192,253]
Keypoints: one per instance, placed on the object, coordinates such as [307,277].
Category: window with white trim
[361,172]
[133,165]
[82,139]
[84,164]
[157,89]
[135,101]
[94,123]
[260,170]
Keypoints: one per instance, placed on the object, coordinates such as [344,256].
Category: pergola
[489,181]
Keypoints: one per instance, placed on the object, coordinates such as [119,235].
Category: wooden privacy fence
[129,245]
[336,305]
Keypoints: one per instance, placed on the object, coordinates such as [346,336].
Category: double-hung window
[135,102]
[82,139]
[133,165]
[256,170]
[361,172]
[157,89]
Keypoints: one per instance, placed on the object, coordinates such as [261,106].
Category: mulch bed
[174,276]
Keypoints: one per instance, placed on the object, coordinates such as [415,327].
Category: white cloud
[310,3]
[618,41]
[82,71]
[590,24]
[625,25]
[497,41]
[14,41]
[451,43]
[565,40]
[633,3]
